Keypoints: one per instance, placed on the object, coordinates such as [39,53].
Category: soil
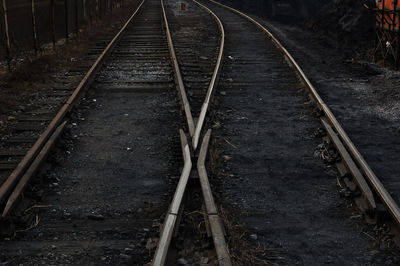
[286,197]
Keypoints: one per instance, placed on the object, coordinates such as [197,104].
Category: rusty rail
[356,158]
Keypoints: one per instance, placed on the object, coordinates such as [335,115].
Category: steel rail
[213,82]
[384,195]
[178,76]
[171,218]
[10,183]
[17,192]
[212,212]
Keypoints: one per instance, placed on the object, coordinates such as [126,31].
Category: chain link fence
[32,25]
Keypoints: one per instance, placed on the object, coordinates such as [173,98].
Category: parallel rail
[355,164]
[16,182]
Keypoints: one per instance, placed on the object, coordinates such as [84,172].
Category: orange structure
[388,14]
[387,46]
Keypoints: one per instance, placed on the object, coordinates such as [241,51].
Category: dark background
[20,21]
[346,20]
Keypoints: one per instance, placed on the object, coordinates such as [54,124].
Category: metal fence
[387,37]
[29,25]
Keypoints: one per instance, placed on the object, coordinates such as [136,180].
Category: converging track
[130,102]
[187,91]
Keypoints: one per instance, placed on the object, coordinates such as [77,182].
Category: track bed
[271,179]
[364,97]
[105,198]
[128,184]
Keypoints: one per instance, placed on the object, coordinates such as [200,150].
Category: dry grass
[242,251]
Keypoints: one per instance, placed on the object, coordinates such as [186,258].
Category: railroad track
[369,191]
[146,43]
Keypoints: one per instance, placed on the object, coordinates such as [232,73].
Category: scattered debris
[96,217]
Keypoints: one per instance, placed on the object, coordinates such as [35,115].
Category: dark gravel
[272,181]
[108,189]
[363,96]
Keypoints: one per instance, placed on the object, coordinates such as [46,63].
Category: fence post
[8,46]
[52,24]
[66,20]
[84,8]
[35,41]
[100,9]
[76,18]
[396,31]
[97,10]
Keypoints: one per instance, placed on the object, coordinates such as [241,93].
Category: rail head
[383,194]
[171,217]
[214,77]
[214,219]
[178,75]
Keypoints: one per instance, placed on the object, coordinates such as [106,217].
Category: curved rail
[15,177]
[178,76]
[195,130]
[213,81]
[171,220]
[372,178]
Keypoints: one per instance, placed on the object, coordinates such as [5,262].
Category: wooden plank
[8,166]
[144,88]
[15,176]
[34,118]
[138,81]
[28,127]
[12,200]
[13,152]
[20,140]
